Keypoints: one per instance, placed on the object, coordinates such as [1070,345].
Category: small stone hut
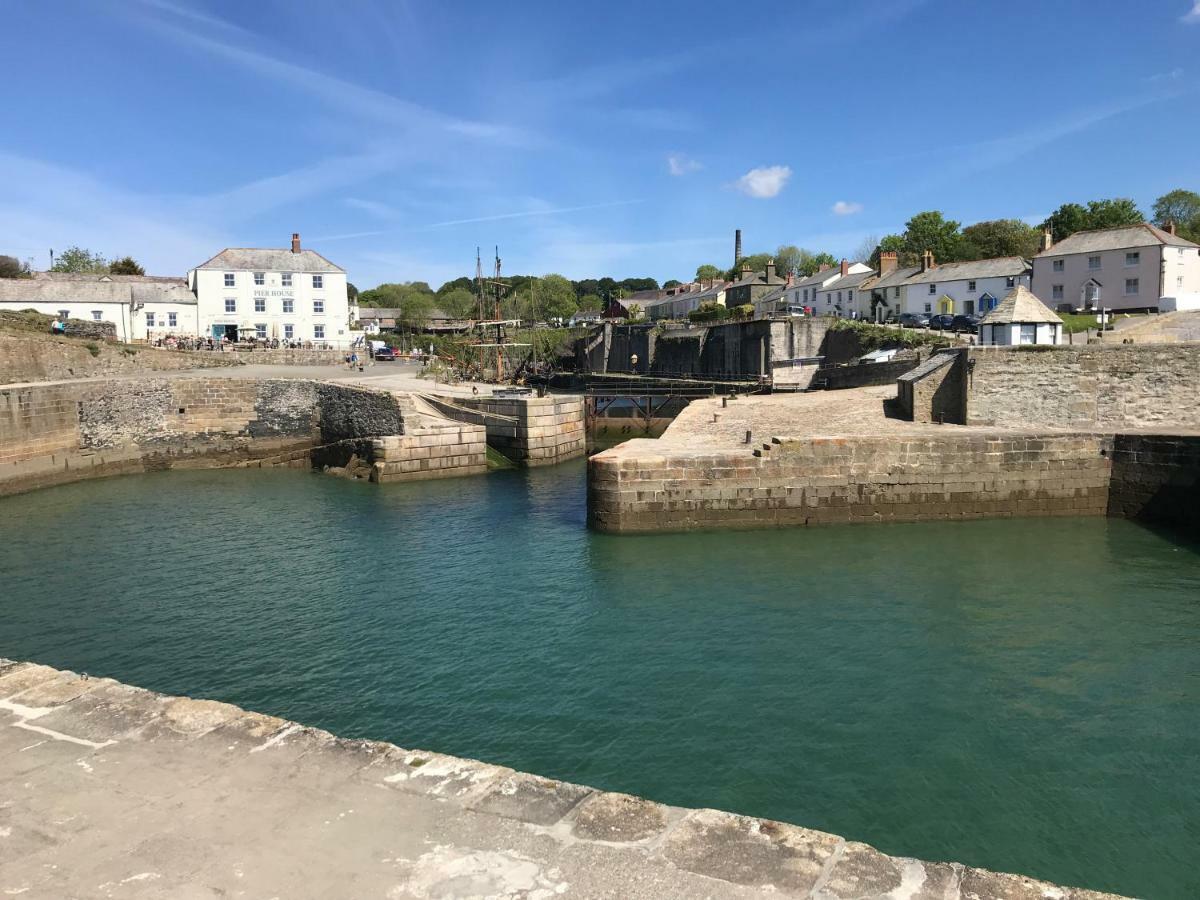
[1020,318]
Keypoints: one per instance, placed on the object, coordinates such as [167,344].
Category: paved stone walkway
[112,791]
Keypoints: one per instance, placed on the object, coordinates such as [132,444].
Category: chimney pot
[295,242]
[845,268]
[770,269]
[1170,226]
[1047,238]
[889,260]
[927,262]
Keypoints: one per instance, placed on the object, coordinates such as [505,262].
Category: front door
[946,306]
[969,307]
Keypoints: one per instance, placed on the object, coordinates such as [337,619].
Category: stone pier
[108,790]
[530,431]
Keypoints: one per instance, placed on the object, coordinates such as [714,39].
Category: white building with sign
[284,295]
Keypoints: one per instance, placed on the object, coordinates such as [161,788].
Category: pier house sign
[263,292]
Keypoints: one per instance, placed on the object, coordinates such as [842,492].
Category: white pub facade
[283,295]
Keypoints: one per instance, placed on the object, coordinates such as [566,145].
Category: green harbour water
[1022,695]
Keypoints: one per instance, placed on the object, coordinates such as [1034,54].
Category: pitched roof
[66,290]
[971,270]
[1127,236]
[269,260]
[1021,305]
[818,277]
[853,280]
[896,277]
[759,278]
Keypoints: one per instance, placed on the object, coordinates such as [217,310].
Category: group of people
[185,342]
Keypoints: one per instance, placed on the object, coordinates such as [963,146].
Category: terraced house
[963,288]
[1127,268]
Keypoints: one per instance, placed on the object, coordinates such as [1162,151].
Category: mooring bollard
[724,402]
[747,435]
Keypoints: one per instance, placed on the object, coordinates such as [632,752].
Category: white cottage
[1021,318]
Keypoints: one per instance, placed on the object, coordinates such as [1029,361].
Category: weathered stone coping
[115,791]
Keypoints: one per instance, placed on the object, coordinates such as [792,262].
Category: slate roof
[817,277]
[973,270]
[253,259]
[1020,305]
[852,281]
[1129,236]
[67,290]
[381,313]
[895,277]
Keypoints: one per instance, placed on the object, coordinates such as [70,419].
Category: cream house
[1116,268]
[963,288]
[285,294]
[840,296]
[803,292]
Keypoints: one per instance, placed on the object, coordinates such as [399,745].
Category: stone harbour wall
[1111,387]
[97,777]
[36,357]
[430,450]
[290,357]
[1157,478]
[635,487]
[58,432]
[534,431]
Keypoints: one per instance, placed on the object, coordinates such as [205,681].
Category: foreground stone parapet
[108,790]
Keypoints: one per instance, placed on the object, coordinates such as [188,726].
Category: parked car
[967,323]
[914,320]
[385,353]
[941,322]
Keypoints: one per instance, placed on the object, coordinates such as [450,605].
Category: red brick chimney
[295,242]
[824,267]
[889,261]
[1170,229]
[927,262]
[845,268]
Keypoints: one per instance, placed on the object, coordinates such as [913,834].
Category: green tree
[707,273]
[932,231]
[415,305]
[893,243]
[11,267]
[672,282]
[1071,217]
[126,265]
[458,303]
[351,292]
[632,285]
[812,263]
[789,259]
[76,259]
[1181,207]
[553,297]
[635,312]
[1000,237]
[590,303]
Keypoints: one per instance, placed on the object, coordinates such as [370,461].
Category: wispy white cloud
[844,208]
[193,15]
[764,182]
[678,164]
[345,96]
[532,212]
[1192,17]
[373,207]
[1159,77]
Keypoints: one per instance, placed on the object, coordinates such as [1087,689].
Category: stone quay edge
[115,791]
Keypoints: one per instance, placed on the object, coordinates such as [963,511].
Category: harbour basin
[1015,694]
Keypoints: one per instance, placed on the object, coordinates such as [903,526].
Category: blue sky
[615,138]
